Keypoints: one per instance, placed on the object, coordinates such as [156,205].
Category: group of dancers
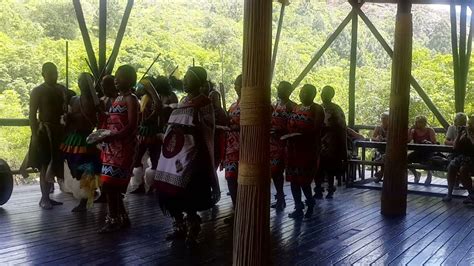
[186,142]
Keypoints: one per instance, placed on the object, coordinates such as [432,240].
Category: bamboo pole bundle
[252,219]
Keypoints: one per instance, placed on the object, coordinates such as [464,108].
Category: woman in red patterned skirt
[281,112]
[303,149]
[119,149]
[231,161]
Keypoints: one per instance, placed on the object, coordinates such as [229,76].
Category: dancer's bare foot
[45,204]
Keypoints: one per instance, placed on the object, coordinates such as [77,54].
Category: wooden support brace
[469,48]
[102,34]
[120,34]
[85,36]
[277,37]
[413,81]
[321,51]
[462,55]
[455,52]
[67,64]
[353,65]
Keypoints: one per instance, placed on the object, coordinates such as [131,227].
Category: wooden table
[367,144]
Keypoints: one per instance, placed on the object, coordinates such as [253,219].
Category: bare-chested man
[48,103]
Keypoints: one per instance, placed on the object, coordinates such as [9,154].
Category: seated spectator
[420,133]
[352,137]
[380,134]
[460,120]
[462,165]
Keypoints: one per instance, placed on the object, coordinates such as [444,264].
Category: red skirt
[117,163]
[277,154]
[231,162]
[301,160]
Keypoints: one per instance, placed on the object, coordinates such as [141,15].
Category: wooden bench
[354,164]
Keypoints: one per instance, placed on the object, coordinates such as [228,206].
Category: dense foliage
[35,31]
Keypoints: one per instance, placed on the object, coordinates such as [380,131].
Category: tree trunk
[394,192]
[252,213]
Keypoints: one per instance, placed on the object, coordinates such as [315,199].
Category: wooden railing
[425,148]
[439,130]
[16,122]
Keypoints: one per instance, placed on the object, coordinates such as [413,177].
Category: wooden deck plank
[460,251]
[341,228]
[371,232]
[469,257]
[450,244]
[408,238]
[417,244]
[425,254]
[338,230]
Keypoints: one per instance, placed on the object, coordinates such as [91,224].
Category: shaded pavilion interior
[412,229]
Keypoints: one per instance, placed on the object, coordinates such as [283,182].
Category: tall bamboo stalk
[252,219]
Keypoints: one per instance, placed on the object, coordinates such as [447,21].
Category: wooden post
[85,36]
[468,55]
[455,51]
[102,34]
[469,45]
[251,244]
[67,64]
[277,37]
[462,55]
[321,51]
[394,191]
[120,34]
[352,71]
[413,81]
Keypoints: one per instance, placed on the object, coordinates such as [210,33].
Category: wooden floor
[347,229]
